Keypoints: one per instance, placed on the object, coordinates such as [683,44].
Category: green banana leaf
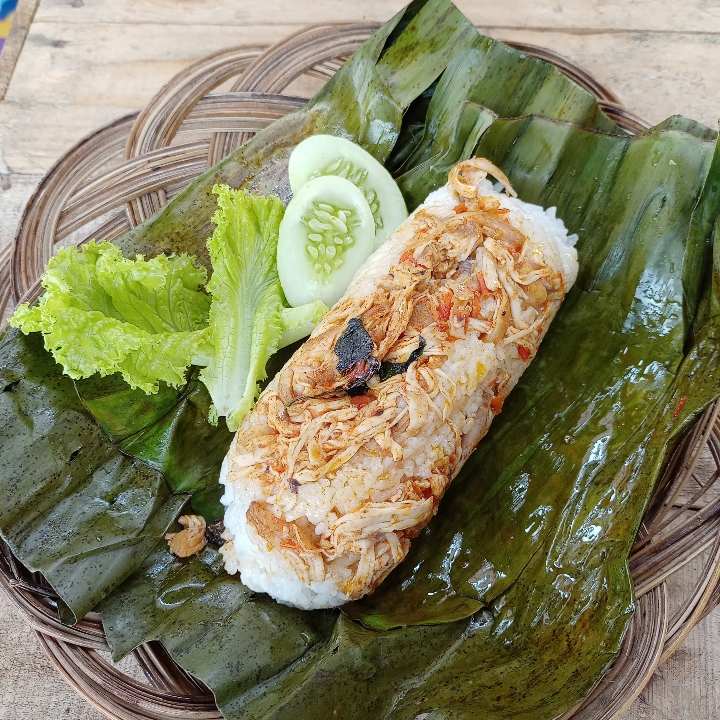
[72,506]
[165,430]
[506,83]
[466,627]
[526,635]
[200,612]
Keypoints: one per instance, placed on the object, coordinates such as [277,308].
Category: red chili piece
[408,256]
[496,405]
[360,401]
[679,407]
[484,289]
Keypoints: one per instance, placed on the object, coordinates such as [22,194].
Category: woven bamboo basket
[121,175]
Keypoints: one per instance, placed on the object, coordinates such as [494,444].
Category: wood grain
[87,62]
[574,15]
[21,22]
[29,685]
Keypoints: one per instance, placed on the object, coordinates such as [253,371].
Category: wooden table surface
[75,65]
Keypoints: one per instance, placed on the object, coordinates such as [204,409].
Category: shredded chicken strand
[191,539]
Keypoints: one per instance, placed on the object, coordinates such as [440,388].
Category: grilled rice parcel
[347,453]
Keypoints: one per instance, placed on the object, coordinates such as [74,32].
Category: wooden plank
[33,138]
[112,65]
[24,15]
[659,15]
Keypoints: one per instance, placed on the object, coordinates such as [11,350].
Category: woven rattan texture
[125,172]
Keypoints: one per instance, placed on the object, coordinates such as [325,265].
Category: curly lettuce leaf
[247,300]
[102,313]
[158,295]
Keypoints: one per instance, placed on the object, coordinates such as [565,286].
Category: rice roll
[348,451]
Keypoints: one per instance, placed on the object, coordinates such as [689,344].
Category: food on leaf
[326,235]
[330,155]
[191,539]
[324,493]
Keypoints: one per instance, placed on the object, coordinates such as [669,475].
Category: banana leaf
[165,430]
[531,643]
[72,505]
[506,83]
[199,613]
[515,599]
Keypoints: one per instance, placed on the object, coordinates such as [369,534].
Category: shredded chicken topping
[191,539]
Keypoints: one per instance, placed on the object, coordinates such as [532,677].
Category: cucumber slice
[327,233]
[321,155]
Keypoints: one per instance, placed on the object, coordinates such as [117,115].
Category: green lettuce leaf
[298,322]
[148,319]
[247,299]
[102,313]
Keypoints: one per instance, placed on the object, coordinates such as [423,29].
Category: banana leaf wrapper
[72,505]
[534,641]
[165,430]
[515,599]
